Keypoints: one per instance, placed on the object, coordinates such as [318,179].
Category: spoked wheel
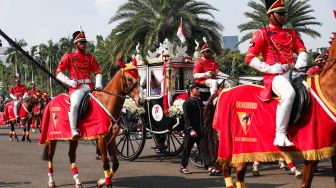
[196,158]
[170,143]
[131,141]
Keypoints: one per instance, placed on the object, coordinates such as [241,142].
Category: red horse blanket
[246,127]
[55,121]
[9,111]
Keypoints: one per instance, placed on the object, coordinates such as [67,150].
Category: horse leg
[333,163]
[50,155]
[112,150]
[102,145]
[226,169]
[24,129]
[240,175]
[13,131]
[308,173]
[255,171]
[291,165]
[28,125]
[72,158]
[11,134]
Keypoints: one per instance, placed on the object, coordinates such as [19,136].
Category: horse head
[130,80]
[327,76]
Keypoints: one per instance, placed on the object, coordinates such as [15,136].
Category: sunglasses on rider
[281,13]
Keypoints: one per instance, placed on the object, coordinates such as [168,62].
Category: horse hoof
[255,173]
[28,140]
[51,184]
[101,182]
[298,176]
[285,168]
[79,186]
[11,139]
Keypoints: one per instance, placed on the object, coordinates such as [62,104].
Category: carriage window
[183,76]
[155,81]
[143,74]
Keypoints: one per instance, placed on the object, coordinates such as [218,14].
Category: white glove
[265,68]
[25,95]
[208,74]
[72,83]
[66,80]
[199,75]
[99,80]
[12,96]
[301,60]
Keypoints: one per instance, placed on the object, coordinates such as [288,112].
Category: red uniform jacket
[18,90]
[204,65]
[32,92]
[285,43]
[80,66]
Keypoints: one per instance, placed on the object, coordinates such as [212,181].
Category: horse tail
[209,132]
[45,152]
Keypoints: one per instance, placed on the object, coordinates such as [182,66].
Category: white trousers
[16,107]
[213,84]
[75,100]
[282,88]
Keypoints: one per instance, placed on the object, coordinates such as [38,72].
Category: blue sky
[38,21]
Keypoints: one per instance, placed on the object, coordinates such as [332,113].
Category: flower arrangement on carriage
[132,108]
[176,110]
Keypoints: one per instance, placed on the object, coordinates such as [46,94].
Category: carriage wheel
[196,158]
[170,143]
[132,139]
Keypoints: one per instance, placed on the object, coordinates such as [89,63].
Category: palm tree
[50,54]
[15,57]
[298,18]
[149,22]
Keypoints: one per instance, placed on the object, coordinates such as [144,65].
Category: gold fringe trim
[311,155]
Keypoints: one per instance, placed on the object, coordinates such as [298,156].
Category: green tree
[298,16]
[15,58]
[149,22]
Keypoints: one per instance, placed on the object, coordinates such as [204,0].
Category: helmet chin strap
[276,20]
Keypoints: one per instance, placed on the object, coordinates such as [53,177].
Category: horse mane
[331,60]
[209,132]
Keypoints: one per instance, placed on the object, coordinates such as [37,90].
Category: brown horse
[25,115]
[327,85]
[125,82]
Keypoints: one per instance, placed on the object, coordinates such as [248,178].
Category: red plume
[121,64]
[134,62]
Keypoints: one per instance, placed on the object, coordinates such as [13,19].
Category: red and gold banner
[247,127]
[55,121]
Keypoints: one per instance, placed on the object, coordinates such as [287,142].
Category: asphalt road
[21,166]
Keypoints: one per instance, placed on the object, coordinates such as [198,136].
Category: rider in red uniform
[206,70]
[17,92]
[33,90]
[80,65]
[277,46]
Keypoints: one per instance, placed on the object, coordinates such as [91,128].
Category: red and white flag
[180,33]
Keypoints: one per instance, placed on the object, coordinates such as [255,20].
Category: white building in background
[231,42]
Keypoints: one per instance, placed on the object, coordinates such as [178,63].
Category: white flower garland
[176,110]
[130,105]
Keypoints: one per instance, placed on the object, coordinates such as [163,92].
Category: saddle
[302,98]
[83,107]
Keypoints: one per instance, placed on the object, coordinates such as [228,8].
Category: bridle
[126,89]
